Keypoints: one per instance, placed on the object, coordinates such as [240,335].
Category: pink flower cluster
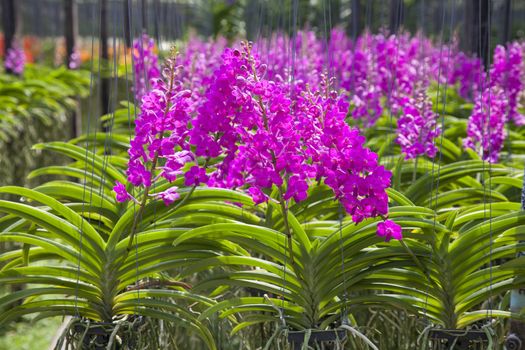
[396,70]
[497,102]
[15,59]
[356,69]
[268,140]
[507,73]
[200,59]
[339,156]
[145,65]
[160,129]
[486,125]
[466,71]
[250,132]
[391,71]
[264,117]
[417,127]
[378,73]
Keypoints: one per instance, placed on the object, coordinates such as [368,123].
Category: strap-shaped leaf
[96,242]
[86,156]
[72,255]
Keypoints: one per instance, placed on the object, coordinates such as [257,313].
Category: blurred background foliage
[174,19]
[35,109]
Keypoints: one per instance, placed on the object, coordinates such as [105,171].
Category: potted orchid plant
[288,152]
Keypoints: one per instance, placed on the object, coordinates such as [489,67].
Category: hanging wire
[368,14]
[128,31]
[260,15]
[355,39]
[344,313]
[95,130]
[484,123]
[340,215]
[144,15]
[422,21]
[84,191]
[392,84]
[293,22]
[326,37]
[157,40]
[270,35]
[156,21]
[133,31]
[111,108]
[507,36]
[487,49]
[421,34]
[433,171]
[99,83]
[483,53]
[285,212]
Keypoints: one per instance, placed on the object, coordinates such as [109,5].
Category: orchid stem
[287,229]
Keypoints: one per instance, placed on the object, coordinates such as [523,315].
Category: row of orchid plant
[273,114]
[238,126]
[272,127]
[16,59]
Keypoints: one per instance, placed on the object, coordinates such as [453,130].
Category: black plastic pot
[316,337]
[96,335]
[457,339]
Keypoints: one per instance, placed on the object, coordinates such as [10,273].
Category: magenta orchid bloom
[169,196]
[122,194]
[389,230]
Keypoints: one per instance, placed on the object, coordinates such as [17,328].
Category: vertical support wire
[392,83]
[488,43]
[285,212]
[340,215]
[506,42]
[344,313]
[434,199]
[133,32]
[86,154]
[110,108]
